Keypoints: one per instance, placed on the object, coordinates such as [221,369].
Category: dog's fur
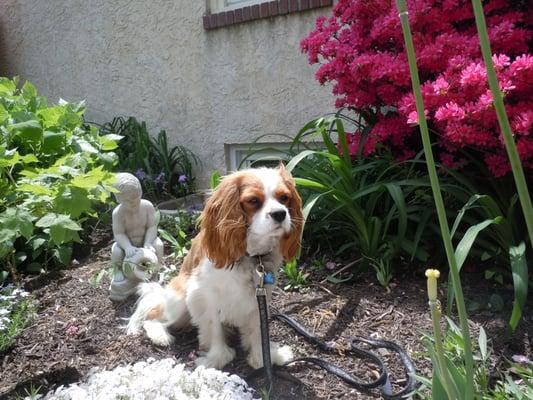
[216,283]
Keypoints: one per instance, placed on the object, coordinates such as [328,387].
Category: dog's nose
[278,215]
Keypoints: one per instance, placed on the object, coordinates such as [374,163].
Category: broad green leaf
[51,115]
[34,189]
[28,130]
[62,220]
[28,90]
[17,221]
[63,254]
[29,159]
[82,145]
[109,142]
[9,159]
[53,142]
[90,179]
[520,281]
[3,114]
[7,86]
[58,234]
[73,201]
[37,242]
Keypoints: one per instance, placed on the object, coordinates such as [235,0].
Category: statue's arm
[151,227]
[119,233]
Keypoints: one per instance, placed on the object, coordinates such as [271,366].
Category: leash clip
[260,270]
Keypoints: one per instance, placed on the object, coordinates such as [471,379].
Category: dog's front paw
[217,357]
[278,354]
[281,354]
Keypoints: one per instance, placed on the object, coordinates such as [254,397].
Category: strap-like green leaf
[520,280]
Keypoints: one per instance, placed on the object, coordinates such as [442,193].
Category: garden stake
[439,203]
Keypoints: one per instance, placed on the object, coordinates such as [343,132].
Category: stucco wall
[154,60]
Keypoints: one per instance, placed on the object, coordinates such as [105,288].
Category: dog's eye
[254,201]
[284,198]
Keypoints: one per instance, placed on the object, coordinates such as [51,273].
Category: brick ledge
[260,11]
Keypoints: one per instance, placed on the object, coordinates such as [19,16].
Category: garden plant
[54,174]
[164,170]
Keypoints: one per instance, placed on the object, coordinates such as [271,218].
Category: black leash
[382,382]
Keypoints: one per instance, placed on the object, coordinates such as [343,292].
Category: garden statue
[136,245]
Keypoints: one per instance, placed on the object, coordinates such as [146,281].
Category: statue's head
[129,189]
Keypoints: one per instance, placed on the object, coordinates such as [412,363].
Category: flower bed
[162,379]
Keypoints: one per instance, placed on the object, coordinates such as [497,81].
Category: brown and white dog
[252,212]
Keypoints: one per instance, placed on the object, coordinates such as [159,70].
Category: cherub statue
[135,233]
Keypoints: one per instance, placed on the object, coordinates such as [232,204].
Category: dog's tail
[157,309]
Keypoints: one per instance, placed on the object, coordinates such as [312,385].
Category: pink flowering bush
[361,51]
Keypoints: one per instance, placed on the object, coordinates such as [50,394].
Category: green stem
[435,309]
[439,203]
[510,146]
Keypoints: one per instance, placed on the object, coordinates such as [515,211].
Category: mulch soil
[78,328]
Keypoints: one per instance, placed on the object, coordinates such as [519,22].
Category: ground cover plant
[54,172]
[164,170]
[17,309]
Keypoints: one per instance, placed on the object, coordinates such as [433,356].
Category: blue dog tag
[269,278]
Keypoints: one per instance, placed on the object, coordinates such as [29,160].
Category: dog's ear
[291,242]
[223,223]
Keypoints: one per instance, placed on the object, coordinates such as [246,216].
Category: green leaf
[29,159]
[63,254]
[214,180]
[462,250]
[90,179]
[61,220]
[39,190]
[109,142]
[28,90]
[53,142]
[520,281]
[296,159]
[73,201]
[58,234]
[437,390]
[28,130]
[7,86]
[482,341]
[3,114]
[51,115]
[17,221]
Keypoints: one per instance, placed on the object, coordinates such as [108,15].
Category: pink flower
[450,111]
[361,52]
[441,86]
[72,330]
[523,122]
